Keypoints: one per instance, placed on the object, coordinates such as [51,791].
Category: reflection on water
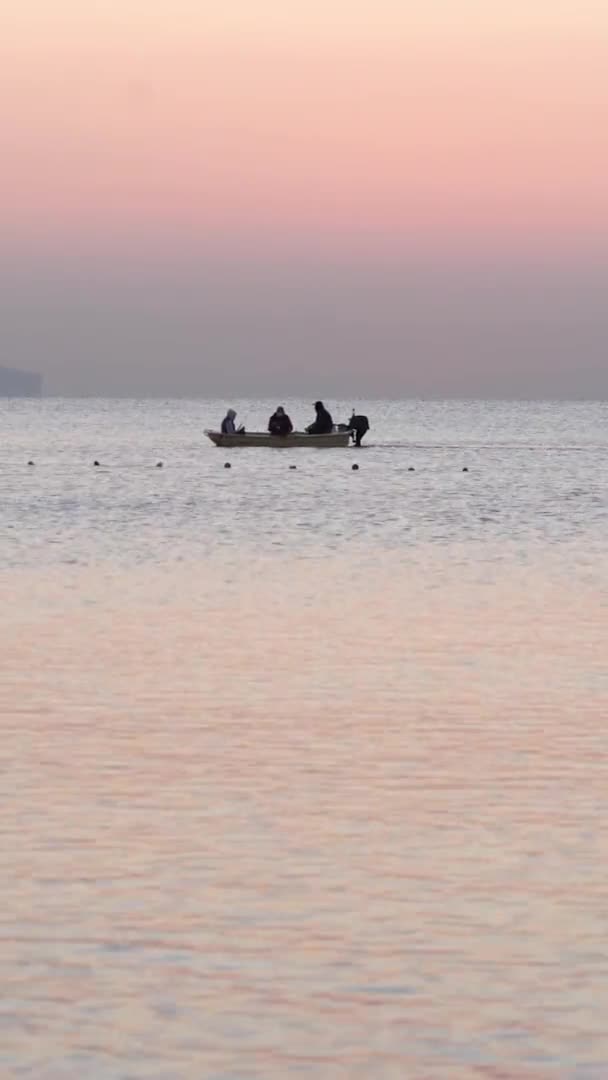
[310,797]
[320,819]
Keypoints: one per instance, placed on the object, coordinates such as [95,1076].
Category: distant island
[14,383]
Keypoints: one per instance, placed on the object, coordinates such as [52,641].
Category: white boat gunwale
[334,439]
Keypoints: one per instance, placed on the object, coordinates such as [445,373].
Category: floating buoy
[96,463]
[355,467]
[292,466]
[411,469]
[227,465]
[30,462]
[159,464]
[465,469]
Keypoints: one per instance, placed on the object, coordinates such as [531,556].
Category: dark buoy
[159,464]
[227,465]
[96,463]
[465,469]
[30,462]
[355,467]
[292,466]
[411,469]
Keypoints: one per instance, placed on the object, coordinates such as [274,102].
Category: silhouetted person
[280,424]
[358,426]
[323,425]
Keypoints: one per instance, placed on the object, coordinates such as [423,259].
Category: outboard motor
[358,427]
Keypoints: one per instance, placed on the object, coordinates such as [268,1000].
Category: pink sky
[174,119]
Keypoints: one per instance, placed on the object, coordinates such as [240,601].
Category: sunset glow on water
[304,771]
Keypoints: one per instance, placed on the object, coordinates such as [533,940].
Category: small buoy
[159,464]
[292,466]
[465,469]
[411,469]
[355,467]
[227,465]
[96,463]
[30,462]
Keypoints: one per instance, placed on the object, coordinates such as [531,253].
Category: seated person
[228,425]
[279,423]
[323,425]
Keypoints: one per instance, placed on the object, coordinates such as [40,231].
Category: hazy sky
[372,195]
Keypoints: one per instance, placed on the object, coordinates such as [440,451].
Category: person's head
[280,410]
[318,405]
[231,414]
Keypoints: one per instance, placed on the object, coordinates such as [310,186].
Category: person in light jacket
[228,425]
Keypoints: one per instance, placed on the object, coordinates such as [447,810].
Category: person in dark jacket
[358,426]
[323,425]
[280,424]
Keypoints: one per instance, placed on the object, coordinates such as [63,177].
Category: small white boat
[262,438]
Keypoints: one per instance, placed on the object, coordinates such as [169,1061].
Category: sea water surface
[304,771]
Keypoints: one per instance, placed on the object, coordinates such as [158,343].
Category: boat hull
[296,439]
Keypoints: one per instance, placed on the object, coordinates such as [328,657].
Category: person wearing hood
[358,427]
[323,425]
[280,423]
[228,425]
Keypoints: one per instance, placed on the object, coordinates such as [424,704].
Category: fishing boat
[262,438]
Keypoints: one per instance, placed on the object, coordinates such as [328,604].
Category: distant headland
[14,383]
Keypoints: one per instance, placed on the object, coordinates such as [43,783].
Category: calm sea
[304,771]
